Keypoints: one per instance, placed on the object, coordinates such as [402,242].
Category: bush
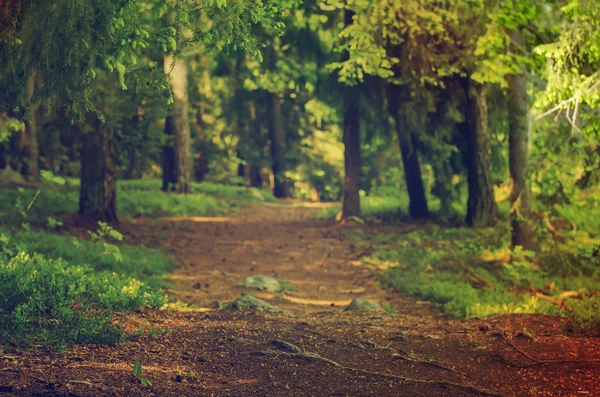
[141,263]
[50,302]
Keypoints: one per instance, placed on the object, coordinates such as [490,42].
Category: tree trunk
[278,147]
[254,178]
[518,153]
[200,168]
[418,207]
[98,193]
[481,205]
[351,139]
[29,135]
[352,160]
[442,187]
[177,164]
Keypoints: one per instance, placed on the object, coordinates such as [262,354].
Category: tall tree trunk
[418,207]
[482,210]
[98,192]
[278,147]
[352,160]
[177,164]
[442,187]
[29,135]
[518,153]
[351,139]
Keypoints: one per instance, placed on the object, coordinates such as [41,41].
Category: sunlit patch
[199,219]
[317,302]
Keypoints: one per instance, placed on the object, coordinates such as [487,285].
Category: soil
[321,350]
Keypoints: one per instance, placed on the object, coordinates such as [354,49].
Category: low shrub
[51,302]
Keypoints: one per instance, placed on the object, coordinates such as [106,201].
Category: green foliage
[467,272]
[140,263]
[135,198]
[69,40]
[137,372]
[51,302]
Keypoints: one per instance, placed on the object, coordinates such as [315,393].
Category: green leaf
[137,369]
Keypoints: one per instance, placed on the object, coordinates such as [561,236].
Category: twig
[315,356]
[567,102]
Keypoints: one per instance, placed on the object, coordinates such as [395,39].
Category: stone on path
[363,304]
[250,303]
[261,283]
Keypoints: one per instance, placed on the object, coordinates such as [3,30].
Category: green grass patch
[51,302]
[467,272]
[386,208]
[57,290]
[139,262]
[135,198]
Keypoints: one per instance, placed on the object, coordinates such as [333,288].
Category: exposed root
[405,356]
[543,361]
[299,353]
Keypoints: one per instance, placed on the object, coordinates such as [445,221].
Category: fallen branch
[552,300]
[297,352]
[572,294]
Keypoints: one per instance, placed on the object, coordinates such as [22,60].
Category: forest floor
[320,350]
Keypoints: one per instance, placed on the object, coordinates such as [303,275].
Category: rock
[363,304]
[250,303]
[261,283]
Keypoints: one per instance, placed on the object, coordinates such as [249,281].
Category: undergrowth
[470,273]
[385,206]
[57,290]
[50,302]
[135,198]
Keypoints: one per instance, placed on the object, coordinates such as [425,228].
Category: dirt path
[321,351]
[283,241]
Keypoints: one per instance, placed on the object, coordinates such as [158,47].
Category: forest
[299,197]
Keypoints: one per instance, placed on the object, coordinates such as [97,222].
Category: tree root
[405,356]
[294,351]
[537,362]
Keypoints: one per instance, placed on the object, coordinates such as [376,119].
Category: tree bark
[352,160]
[278,147]
[177,158]
[442,187]
[482,210]
[98,192]
[29,141]
[418,207]
[518,153]
[351,140]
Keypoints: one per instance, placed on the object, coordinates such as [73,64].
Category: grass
[467,272]
[144,264]
[57,290]
[388,207]
[134,198]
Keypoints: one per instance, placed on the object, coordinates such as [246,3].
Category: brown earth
[321,351]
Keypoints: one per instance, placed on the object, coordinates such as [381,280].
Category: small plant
[101,236]
[53,223]
[137,372]
[285,286]
[389,309]
[159,331]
